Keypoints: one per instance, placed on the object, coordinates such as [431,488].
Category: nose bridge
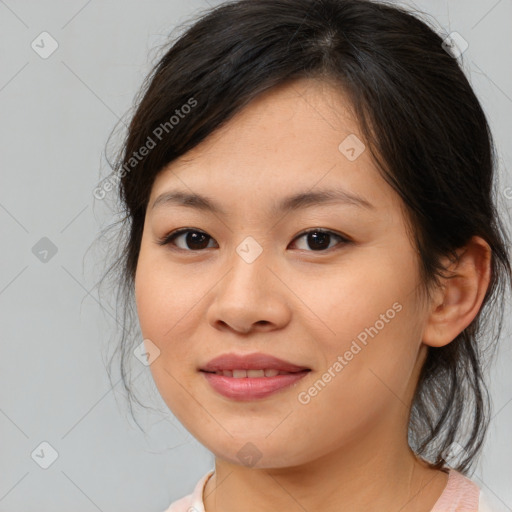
[248,267]
[246,295]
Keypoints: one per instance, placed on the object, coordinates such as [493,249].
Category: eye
[320,239]
[193,237]
[196,240]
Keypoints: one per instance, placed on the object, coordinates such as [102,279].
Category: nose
[249,297]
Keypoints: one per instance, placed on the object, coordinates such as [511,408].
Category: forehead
[303,109]
[290,138]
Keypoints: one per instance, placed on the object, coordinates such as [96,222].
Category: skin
[346,449]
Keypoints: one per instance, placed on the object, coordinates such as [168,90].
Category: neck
[356,477]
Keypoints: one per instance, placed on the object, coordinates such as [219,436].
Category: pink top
[460,495]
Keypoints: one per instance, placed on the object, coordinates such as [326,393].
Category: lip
[251,388]
[255,361]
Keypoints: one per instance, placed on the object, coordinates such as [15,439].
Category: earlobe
[460,297]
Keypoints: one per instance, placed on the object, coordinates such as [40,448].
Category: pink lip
[251,388]
[256,361]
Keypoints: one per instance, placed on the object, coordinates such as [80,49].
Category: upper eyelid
[170,237]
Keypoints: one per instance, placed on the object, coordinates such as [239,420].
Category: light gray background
[56,115]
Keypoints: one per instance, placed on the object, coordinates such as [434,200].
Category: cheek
[371,321]
[168,309]
[362,382]
[361,293]
[162,297]
[161,303]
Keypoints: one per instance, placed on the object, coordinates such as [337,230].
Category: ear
[460,297]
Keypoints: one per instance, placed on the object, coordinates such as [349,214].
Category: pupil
[316,240]
[194,237]
[317,237]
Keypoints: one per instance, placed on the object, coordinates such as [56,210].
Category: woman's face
[246,280]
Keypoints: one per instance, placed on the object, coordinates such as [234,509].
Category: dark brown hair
[420,119]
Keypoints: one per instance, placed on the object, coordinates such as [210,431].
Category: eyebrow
[290,203]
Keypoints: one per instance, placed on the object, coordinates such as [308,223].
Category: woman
[312,245]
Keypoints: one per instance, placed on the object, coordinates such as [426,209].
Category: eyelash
[169,238]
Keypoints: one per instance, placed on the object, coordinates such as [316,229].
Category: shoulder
[483,505]
[460,493]
[463,494]
[192,502]
[489,502]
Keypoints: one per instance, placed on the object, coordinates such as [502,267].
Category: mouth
[251,365]
[252,374]
[251,377]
